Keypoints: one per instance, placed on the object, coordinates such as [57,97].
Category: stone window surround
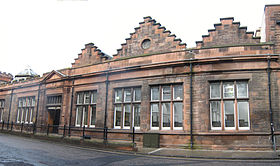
[91,106]
[236,99]
[2,106]
[120,103]
[26,105]
[171,101]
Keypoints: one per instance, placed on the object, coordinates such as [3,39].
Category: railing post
[48,129]
[84,131]
[21,127]
[8,125]
[12,126]
[133,135]
[3,123]
[64,128]
[34,129]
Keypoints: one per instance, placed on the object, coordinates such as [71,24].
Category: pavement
[212,154]
[128,147]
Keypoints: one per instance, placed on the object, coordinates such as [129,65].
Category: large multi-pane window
[54,100]
[26,109]
[2,106]
[167,107]
[229,105]
[127,108]
[86,108]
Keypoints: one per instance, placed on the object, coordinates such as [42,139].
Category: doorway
[53,119]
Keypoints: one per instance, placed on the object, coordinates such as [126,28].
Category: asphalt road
[21,151]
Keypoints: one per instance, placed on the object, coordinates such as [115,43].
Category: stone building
[222,94]
[5,77]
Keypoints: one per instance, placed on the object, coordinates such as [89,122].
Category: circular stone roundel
[146,44]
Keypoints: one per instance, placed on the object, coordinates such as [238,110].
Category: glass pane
[118,95]
[93,115]
[118,115]
[24,115]
[86,98]
[19,115]
[243,114]
[229,114]
[137,94]
[215,90]
[31,115]
[137,110]
[28,102]
[127,115]
[215,107]
[80,98]
[28,115]
[93,97]
[155,93]
[165,114]
[127,95]
[33,101]
[155,115]
[178,114]
[85,115]
[24,102]
[166,93]
[79,115]
[228,90]
[178,92]
[20,102]
[242,89]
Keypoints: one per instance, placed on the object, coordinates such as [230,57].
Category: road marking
[155,151]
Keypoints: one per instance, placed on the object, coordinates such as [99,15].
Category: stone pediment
[150,37]
[227,33]
[54,75]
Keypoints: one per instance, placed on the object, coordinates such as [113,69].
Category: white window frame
[77,110]
[165,128]
[115,113]
[124,112]
[151,121]
[219,90]
[152,93]
[133,112]
[216,128]
[234,117]
[224,90]
[173,110]
[248,111]
[91,108]
[237,90]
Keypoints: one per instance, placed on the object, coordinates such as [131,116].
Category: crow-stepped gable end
[227,32]
[149,38]
[90,55]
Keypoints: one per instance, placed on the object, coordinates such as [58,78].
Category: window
[229,105]
[2,106]
[127,108]
[54,100]
[86,109]
[26,109]
[167,107]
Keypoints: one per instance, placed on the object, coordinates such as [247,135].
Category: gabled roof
[157,37]
[54,75]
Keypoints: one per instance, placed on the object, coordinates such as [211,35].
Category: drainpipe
[10,106]
[106,100]
[71,107]
[191,110]
[270,105]
[37,108]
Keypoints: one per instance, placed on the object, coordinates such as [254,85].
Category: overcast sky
[48,34]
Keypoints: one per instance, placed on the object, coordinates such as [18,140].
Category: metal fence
[68,131]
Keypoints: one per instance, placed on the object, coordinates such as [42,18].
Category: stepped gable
[150,37]
[90,55]
[227,33]
[5,77]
